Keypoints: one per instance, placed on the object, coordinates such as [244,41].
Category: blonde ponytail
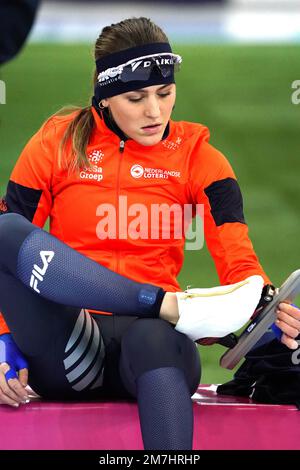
[78,134]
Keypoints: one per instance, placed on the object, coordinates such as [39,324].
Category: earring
[101,106]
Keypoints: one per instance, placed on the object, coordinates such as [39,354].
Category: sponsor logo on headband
[115,72]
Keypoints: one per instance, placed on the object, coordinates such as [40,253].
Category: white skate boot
[218,311]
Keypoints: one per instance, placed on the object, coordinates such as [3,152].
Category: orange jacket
[181,169]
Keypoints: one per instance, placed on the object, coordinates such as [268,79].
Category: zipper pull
[122,146]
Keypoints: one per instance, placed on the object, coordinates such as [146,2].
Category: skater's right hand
[287,324]
[13,373]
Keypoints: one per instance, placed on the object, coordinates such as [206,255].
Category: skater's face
[143,114]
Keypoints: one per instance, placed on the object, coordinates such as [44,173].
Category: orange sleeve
[214,184]
[29,188]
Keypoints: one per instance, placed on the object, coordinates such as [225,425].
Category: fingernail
[16,405]
[295,345]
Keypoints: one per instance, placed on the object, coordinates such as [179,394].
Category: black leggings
[75,355]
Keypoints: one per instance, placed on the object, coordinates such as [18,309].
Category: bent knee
[14,228]
[148,335]
[10,224]
[154,343]
[6,221]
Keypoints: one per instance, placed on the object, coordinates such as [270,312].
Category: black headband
[115,87]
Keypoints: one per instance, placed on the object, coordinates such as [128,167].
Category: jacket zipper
[122,146]
[121,151]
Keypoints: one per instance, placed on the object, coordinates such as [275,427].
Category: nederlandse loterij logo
[39,273]
[137,171]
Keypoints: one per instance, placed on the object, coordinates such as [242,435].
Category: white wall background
[237,21]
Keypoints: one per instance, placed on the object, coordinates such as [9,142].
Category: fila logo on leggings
[39,273]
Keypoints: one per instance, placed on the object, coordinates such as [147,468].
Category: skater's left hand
[288,320]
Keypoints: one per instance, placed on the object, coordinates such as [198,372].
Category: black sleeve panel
[20,200]
[226,201]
